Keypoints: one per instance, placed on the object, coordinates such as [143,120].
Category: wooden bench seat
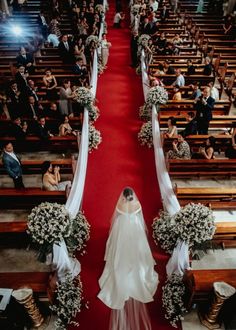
[201,167]
[35,166]
[225,234]
[38,281]
[55,143]
[199,283]
[28,198]
[216,198]
[168,79]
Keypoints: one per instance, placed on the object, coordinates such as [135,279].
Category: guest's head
[178,72]
[53,106]
[66,83]
[104,36]
[21,69]
[17,121]
[64,38]
[8,146]
[180,138]
[128,194]
[31,83]
[190,116]
[176,88]
[46,167]
[65,119]
[206,92]
[189,62]
[171,121]
[14,86]
[42,121]
[31,100]
[22,51]
[48,72]
[210,142]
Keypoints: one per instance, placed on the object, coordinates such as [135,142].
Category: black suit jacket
[42,132]
[66,55]
[21,60]
[165,14]
[17,132]
[204,111]
[190,129]
[21,83]
[146,28]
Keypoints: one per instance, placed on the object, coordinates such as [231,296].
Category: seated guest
[172,129]
[196,91]
[146,27]
[21,80]
[25,59]
[12,165]
[164,13]
[52,111]
[181,149]
[177,94]
[191,127]
[204,107]
[155,29]
[80,70]
[42,130]
[206,151]
[231,151]
[65,128]
[51,178]
[161,43]
[19,130]
[214,92]
[14,101]
[32,90]
[180,81]
[50,82]
[190,68]
[208,69]
[168,69]
[66,50]
[177,41]
[33,110]
[170,49]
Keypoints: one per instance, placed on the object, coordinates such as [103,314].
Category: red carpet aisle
[118,162]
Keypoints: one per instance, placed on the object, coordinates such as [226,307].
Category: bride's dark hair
[128,194]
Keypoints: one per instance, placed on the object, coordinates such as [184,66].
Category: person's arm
[52,179]
[207,154]
[7,165]
[45,82]
[172,133]
[57,173]
[55,83]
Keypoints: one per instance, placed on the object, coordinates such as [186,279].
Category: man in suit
[145,26]
[13,165]
[164,13]
[21,80]
[43,25]
[25,59]
[191,127]
[42,130]
[15,101]
[32,90]
[204,107]
[18,130]
[80,70]
[65,48]
[33,110]
[134,49]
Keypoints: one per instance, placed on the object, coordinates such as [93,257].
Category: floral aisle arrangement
[94,138]
[92,42]
[68,301]
[86,99]
[48,223]
[172,299]
[79,235]
[145,134]
[142,43]
[194,224]
[135,9]
[155,96]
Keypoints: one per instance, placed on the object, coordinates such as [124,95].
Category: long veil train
[128,281]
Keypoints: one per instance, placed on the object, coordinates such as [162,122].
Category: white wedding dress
[129,269]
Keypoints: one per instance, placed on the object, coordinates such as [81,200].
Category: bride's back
[129,206]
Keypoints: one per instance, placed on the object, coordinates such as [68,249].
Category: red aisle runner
[120,161]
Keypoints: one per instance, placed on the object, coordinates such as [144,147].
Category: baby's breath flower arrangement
[80,234]
[86,99]
[67,302]
[145,112]
[48,223]
[164,233]
[145,134]
[92,40]
[172,299]
[94,138]
[156,95]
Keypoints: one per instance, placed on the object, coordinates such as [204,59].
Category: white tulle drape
[61,262]
[179,260]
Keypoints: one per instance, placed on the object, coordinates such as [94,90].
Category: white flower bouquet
[172,299]
[156,95]
[135,9]
[94,113]
[195,224]
[145,134]
[80,234]
[164,233]
[99,8]
[145,112]
[48,223]
[143,40]
[68,301]
[84,97]
[92,39]
[94,138]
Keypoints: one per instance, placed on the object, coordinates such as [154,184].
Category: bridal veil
[128,280]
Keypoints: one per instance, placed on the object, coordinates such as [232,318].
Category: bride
[128,280]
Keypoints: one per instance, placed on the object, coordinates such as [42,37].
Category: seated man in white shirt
[180,81]
[214,92]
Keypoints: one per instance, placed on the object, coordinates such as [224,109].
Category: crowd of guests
[45,108]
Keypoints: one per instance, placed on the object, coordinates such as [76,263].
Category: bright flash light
[17,30]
